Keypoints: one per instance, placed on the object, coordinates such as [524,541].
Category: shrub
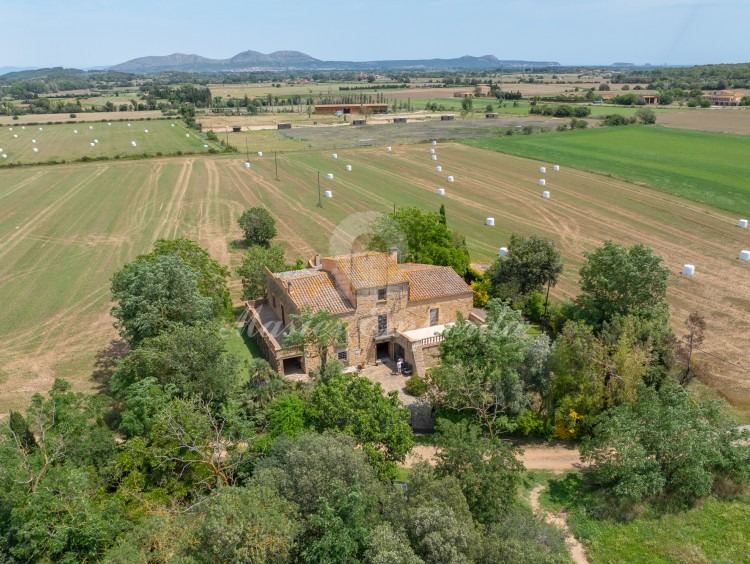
[416,386]
[532,423]
[646,116]
[73,115]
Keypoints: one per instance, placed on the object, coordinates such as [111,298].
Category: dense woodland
[189,454]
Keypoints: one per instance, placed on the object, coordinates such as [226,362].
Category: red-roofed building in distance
[391,310]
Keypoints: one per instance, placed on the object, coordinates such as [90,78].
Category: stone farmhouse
[391,310]
[724,98]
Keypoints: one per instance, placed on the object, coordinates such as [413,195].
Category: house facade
[391,310]
[723,98]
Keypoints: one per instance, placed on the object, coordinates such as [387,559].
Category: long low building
[346,109]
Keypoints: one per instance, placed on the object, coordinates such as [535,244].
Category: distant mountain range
[294,60]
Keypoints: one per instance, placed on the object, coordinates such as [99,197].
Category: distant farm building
[723,98]
[447,117]
[482,90]
[650,98]
[345,109]
[463,94]
[283,126]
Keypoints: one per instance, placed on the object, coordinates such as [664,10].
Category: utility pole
[276,161]
[320,203]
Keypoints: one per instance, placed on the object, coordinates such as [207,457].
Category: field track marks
[171,213]
[23,184]
[15,239]
[211,230]
[143,195]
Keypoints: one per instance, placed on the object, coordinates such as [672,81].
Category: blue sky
[85,33]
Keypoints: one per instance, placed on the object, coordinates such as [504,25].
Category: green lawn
[70,142]
[711,168]
[714,531]
[241,345]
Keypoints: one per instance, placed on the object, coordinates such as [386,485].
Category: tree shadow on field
[106,362]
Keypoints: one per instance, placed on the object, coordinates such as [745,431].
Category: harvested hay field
[65,229]
[110,140]
[85,117]
[721,120]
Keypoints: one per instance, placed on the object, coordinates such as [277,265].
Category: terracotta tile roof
[427,282]
[315,289]
[367,270]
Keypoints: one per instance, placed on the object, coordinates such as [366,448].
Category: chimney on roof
[317,261]
[394,253]
[289,286]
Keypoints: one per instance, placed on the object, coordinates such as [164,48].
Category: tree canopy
[482,367]
[421,237]
[212,276]
[531,263]
[616,280]
[666,443]
[153,295]
[258,226]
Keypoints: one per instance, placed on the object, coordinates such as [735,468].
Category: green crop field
[65,229]
[70,142]
[711,168]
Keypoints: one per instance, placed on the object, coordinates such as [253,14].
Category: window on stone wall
[341,355]
[434,316]
[381,294]
[382,325]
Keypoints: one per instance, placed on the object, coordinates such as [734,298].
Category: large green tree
[312,466]
[246,524]
[486,469]
[212,276]
[152,296]
[189,361]
[616,280]
[421,237]
[532,263]
[481,367]
[258,226]
[356,406]
[666,444]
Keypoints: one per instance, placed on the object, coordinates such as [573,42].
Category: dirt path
[552,458]
[559,520]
